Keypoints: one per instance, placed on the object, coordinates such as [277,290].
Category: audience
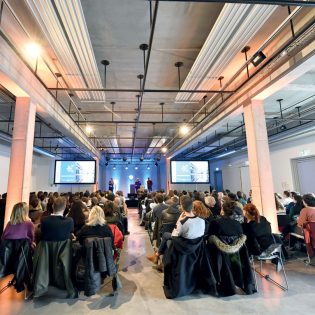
[307,214]
[77,214]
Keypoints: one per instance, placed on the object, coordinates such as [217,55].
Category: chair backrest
[167,227]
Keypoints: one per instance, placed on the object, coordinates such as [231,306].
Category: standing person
[137,184]
[111,185]
[149,184]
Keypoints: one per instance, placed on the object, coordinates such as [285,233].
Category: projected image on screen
[189,172]
[75,172]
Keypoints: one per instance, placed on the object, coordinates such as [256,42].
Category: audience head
[286,194]
[159,198]
[210,201]
[240,195]
[94,201]
[174,200]
[19,213]
[96,216]
[186,203]
[200,210]
[76,212]
[228,208]
[109,208]
[34,203]
[59,205]
[232,196]
[251,213]
[297,199]
[111,196]
[309,200]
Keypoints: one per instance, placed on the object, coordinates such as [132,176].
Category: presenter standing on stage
[149,184]
[111,185]
[137,184]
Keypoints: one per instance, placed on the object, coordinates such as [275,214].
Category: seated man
[188,226]
[56,227]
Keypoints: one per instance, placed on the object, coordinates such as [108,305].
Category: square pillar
[259,161]
[20,171]
[96,186]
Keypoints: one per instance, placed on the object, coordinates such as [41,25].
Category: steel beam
[132,122]
[301,3]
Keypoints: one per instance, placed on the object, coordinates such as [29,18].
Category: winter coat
[187,268]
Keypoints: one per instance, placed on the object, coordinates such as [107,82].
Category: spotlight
[164,149]
[141,158]
[156,164]
[136,167]
[183,130]
[88,129]
[106,164]
[131,177]
[114,167]
[124,159]
[258,58]
[33,50]
[148,167]
[126,167]
[107,158]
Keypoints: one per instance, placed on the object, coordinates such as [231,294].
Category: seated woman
[20,225]
[229,257]
[201,211]
[257,229]
[112,215]
[77,215]
[95,226]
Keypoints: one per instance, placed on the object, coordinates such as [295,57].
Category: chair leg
[254,273]
[284,274]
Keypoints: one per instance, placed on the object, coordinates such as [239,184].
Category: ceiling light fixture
[33,50]
[88,129]
[184,130]
[164,149]
[148,167]
[258,58]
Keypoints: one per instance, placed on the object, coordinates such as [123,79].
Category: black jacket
[16,259]
[187,268]
[97,263]
[259,236]
[170,215]
[52,266]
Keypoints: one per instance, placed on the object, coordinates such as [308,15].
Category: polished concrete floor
[142,292]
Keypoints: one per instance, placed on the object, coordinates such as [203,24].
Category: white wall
[42,173]
[235,170]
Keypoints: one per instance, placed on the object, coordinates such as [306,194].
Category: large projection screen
[75,172]
[188,172]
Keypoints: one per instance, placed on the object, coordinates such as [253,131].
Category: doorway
[218,181]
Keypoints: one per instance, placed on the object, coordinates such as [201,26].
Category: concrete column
[168,175]
[95,187]
[20,172]
[259,161]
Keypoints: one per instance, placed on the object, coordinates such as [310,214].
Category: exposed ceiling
[125,117]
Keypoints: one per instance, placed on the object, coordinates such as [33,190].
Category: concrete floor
[142,291]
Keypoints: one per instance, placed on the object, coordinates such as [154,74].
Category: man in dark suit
[56,227]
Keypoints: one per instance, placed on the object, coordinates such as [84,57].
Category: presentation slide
[189,172]
[75,172]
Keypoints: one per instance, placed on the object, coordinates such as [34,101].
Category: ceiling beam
[301,3]
[131,122]
[137,90]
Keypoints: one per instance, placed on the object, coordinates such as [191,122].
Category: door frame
[294,168]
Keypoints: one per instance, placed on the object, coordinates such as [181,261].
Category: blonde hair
[19,213]
[96,216]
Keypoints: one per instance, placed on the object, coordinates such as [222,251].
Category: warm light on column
[33,50]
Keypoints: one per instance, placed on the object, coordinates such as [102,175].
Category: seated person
[307,214]
[257,229]
[20,225]
[112,215]
[188,226]
[56,227]
[77,214]
[95,226]
[201,211]
[226,227]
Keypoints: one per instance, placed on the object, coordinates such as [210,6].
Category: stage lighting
[141,158]
[124,159]
[258,58]
[164,149]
